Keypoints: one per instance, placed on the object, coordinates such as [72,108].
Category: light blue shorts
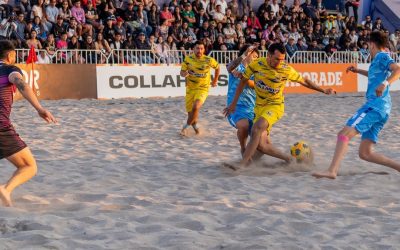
[368,122]
[241,113]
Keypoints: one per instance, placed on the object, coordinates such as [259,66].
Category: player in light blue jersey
[242,118]
[372,116]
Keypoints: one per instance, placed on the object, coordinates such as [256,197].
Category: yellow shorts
[192,96]
[271,113]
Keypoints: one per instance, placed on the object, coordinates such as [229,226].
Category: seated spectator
[353,38]
[291,47]
[43,58]
[129,43]
[274,7]
[196,6]
[103,46]
[230,35]
[165,14]
[52,12]
[178,15]
[220,41]
[65,11]
[153,17]
[294,34]
[162,51]
[188,15]
[394,40]
[204,31]
[367,23]
[313,46]
[301,46]
[378,25]
[309,10]
[20,27]
[141,18]
[163,30]
[50,46]
[88,44]
[92,16]
[185,30]
[325,38]
[351,24]
[184,44]
[263,45]
[331,47]
[364,51]
[117,46]
[74,56]
[234,7]
[253,22]
[120,28]
[73,29]
[37,10]
[62,44]
[296,7]
[241,42]
[330,23]
[201,17]
[211,8]
[263,8]
[59,28]
[109,30]
[218,15]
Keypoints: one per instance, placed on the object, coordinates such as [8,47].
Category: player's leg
[189,101]
[242,133]
[268,148]
[256,132]
[199,99]
[366,153]
[26,169]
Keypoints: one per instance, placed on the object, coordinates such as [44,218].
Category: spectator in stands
[186,30]
[129,43]
[72,28]
[50,46]
[109,30]
[223,4]
[59,27]
[300,45]
[229,16]
[218,15]
[153,17]
[211,8]
[178,15]
[318,32]
[233,5]
[331,47]
[117,46]
[309,10]
[309,36]
[274,7]
[291,47]
[171,43]
[106,9]
[165,14]
[367,23]
[52,12]
[103,47]
[20,27]
[253,22]
[296,7]
[196,6]
[294,34]
[330,23]
[378,25]
[92,16]
[120,28]
[353,38]
[239,30]
[62,44]
[284,22]
[345,36]
[65,12]
[7,26]
[141,18]
[89,44]
[353,4]
[188,15]
[204,31]
[334,34]
[263,45]
[37,9]
[351,24]
[325,38]
[7,8]
[184,44]
[263,8]
[394,40]
[33,41]
[313,46]
[201,17]
[230,35]
[162,50]
[40,28]
[74,55]
[172,5]
[341,24]
[364,51]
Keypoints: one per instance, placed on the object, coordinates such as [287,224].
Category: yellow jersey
[269,82]
[199,77]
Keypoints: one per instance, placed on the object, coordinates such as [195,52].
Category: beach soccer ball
[301,150]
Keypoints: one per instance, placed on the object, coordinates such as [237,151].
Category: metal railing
[177,56]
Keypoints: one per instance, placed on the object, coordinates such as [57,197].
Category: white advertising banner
[363,80]
[147,81]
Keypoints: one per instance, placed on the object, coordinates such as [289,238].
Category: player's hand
[249,50]
[379,90]
[237,74]
[229,110]
[352,69]
[47,116]
[185,73]
[214,84]
[330,91]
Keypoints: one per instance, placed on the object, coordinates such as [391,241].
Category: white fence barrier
[177,56]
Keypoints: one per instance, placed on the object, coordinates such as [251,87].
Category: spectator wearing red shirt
[165,14]
[253,22]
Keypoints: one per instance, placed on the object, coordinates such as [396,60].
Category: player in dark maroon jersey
[11,145]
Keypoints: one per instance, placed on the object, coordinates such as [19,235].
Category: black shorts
[10,142]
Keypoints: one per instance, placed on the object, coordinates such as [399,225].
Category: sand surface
[116,175]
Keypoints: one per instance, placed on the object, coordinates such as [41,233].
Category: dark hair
[276,46]
[6,46]
[379,39]
[245,47]
[199,42]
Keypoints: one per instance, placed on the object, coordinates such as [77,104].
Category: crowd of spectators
[104,25]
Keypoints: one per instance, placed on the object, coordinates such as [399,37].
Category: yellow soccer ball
[301,151]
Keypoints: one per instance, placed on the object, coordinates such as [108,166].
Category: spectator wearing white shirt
[218,15]
[274,7]
[224,5]
[230,35]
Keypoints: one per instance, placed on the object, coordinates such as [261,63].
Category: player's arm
[356,70]
[233,65]
[26,91]
[312,85]
[395,69]
[231,108]
[216,76]
[184,69]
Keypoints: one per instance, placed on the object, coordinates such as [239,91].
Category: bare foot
[184,132]
[197,130]
[5,196]
[326,174]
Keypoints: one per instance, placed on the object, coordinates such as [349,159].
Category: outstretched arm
[356,70]
[311,85]
[216,76]
[25,90]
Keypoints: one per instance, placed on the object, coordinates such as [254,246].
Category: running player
[242,118]
[196,69]
[11,146]
[372,116]
[270,77]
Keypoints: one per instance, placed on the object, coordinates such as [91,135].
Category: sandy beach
[115,174]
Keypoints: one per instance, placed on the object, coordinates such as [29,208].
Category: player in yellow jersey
[196,68]
[270,76]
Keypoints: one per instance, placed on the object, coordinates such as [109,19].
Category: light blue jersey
[247,98]
[378,72]
[246,102]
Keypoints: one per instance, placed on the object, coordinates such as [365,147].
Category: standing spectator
[165,14]
[354,4]
[291,47]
